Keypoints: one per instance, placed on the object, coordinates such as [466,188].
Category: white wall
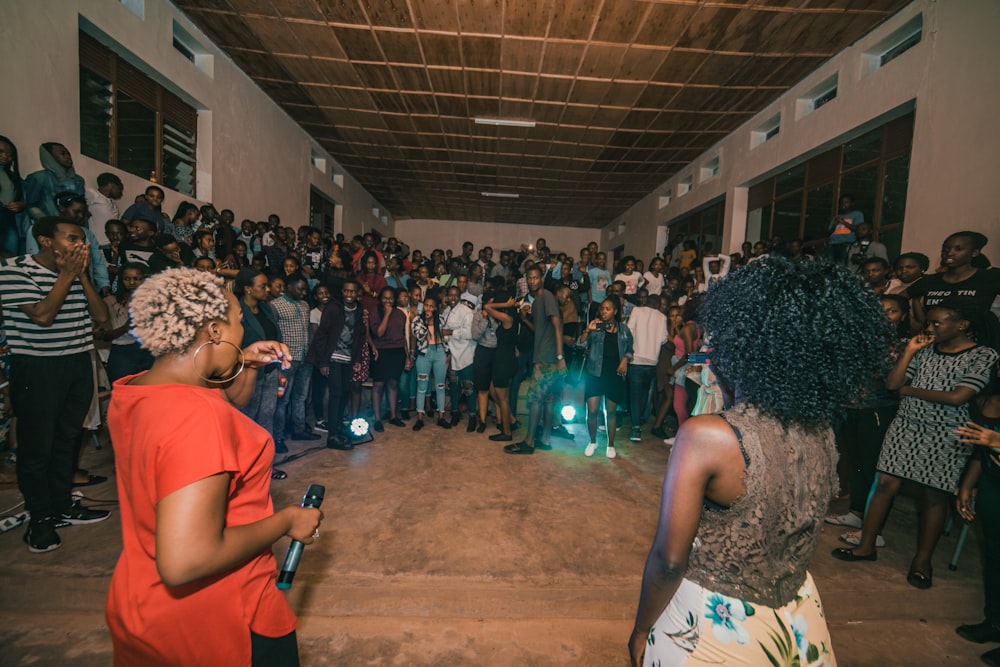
[426,235]
[252,157]
[952,76]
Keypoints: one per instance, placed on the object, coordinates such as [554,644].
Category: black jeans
[338,383]
[51,397]
[274,651]
[860,439]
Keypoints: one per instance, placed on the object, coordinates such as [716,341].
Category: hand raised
[266,352]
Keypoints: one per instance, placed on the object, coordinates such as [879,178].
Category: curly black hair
[798,340]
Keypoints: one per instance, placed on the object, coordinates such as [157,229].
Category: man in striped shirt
[48,305]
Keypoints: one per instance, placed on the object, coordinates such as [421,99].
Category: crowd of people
[303,321]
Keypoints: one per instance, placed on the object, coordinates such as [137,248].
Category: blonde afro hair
[169,308]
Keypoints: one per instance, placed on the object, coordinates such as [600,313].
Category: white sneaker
[602,428]
[591,448]
[611,452]
[851,520]
[669,441]
[853,537]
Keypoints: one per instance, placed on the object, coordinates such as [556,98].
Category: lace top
[759,548]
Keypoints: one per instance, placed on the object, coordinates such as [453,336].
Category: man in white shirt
[649,333]
[102,204]
[462,349]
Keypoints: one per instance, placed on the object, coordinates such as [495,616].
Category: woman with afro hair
[745,490]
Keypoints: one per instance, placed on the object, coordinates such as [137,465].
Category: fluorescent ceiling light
[506,122]
[506,195]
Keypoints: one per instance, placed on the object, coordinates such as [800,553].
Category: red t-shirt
[166,437]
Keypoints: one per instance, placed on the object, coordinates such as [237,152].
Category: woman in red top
[196,581]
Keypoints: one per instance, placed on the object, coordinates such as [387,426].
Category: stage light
[568,413]
[359,427]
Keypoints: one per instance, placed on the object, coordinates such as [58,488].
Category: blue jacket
[595,348]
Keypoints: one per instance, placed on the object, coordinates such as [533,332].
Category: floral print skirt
[702,627]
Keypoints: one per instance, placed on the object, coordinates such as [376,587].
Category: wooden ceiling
[624,93]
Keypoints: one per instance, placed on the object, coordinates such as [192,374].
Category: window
[137,7]
[799,202]
[685,185]
[664,200]
[819,96]
[318,161]
[129,121]
[703,226]
[765,131]
[894,45]
[189,47]
[710,170]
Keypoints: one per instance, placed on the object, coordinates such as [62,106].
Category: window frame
[126,78]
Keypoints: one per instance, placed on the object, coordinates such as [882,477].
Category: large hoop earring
[242,364]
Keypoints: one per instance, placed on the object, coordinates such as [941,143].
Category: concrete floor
[438,549]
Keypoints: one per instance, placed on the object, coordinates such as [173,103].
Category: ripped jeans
[432,363]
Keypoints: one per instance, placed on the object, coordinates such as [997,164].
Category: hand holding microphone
[312,499]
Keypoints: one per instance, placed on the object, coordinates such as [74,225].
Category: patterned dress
[747,597]
[922,444]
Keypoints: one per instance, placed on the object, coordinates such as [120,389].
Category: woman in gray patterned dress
[937,375]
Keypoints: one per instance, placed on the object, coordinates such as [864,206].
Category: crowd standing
[440,337]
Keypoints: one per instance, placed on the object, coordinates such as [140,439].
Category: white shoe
[851,520]
[853,537]
[611,452]
[602,428]
[591,448]
[669,441]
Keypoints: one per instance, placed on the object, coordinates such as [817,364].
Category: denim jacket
[595,348]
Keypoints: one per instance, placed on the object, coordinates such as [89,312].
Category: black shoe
[455,418]
[444,423]
[515,425]
[320,425]
[419,424]
[473,422]
[378,427]
[480,427]
[501,437]
[404,414]
[305,435]
[544,446]
[278,474]
[280,447]
[658,432]
[339,442]
[991,658]
[980,633]
[41,536]
[851,557]
[519,448]
[78,515]
[562,432]
[396,421]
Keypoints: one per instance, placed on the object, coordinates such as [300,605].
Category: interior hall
[314,155]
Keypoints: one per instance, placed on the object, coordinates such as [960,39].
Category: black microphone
[312,499]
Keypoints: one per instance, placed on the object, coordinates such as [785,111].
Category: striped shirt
[23,281]
[293,320]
